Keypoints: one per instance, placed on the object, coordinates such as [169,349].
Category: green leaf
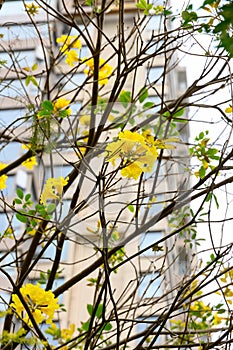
[125,98]
[27,197]
[216,201]
[107,327]
[21,218]
[148,105]
[99,311]
[208,2]
[201,135]
[143,94]
[189,16]
[142,5]
[50,208]
[90,309]
[47,105]
[179,113]
[221,311]
[20,193]
[85,326]
[28,80]
[202,172]
[35,66]
[18,201]
[89,2]
[34,81]
[208,197]
[130,207]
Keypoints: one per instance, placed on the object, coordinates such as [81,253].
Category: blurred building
[22,45]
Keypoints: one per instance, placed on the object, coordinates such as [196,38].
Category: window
[21,58]
[14,88]
[62,209]
[10,151]
[155,74]
[182,80]
[22,32]
[9,191]
[150,285]
[71,82]
[146,322]
[51,251]
[7,219]
[155,23]
[58,170]
[9,116]
[4,222]
[148,239]
[12,7]
[8,263]
[4,300]
[155,206]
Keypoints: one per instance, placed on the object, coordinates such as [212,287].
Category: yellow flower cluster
[69,45]
[138,152]
[41,303]
[61,104]
[53,189]
[3,178]
[105,70]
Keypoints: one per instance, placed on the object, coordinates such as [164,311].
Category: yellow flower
[69,42]
[41,303]
[162,144]
[137,153]
[228,109]
[3,178]
[53,189]
[71,57]
[131,171]
[32,9]
[85,120]
[67,333]
[62,104]
[105,70]
[217,319]
[30,163]
[27,147]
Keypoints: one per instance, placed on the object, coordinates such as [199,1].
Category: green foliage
[125,98]
[204,153]
[29,215]
[189,234]
[143,94]
[189,16]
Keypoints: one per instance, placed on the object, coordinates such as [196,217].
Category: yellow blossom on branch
[228,109]
[137,152]
[67,333]
[71,58]
[32,9]
[41,303]
[61,104]
[30,163]
[69,42]
[53,189]
[3,178]
[105,70]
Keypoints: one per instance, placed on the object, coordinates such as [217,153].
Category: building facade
[33,69]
